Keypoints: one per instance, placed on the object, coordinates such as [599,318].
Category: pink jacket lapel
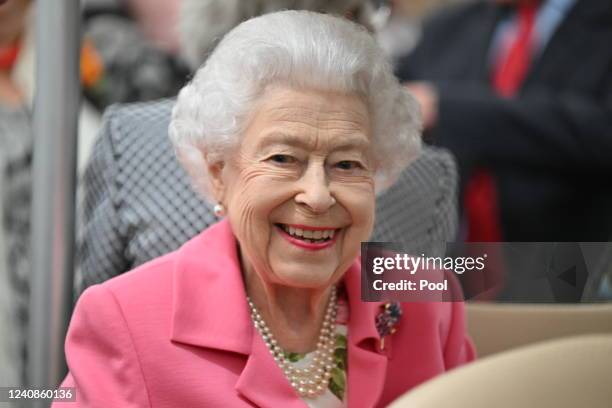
[263,382]
[367,363]
[215,314]
[209,300]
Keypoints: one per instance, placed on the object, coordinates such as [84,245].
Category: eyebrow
[356,141]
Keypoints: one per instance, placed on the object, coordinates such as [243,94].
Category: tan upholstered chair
[565,373]
[497,327]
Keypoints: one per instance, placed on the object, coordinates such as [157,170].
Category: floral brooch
[387,320]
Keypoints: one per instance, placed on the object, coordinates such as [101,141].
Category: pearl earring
[219,210]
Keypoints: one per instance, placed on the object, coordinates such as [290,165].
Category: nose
[314,189]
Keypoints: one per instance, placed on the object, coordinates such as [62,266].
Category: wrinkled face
[299,190]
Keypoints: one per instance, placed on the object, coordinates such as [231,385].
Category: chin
[303,277]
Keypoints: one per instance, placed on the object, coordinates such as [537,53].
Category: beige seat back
[496,327]
[567,373]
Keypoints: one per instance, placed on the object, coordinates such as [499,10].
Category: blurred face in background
[12,20]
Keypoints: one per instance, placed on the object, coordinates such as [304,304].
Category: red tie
[513,63]
[480,200]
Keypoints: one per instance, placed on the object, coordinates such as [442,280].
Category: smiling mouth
[311,236]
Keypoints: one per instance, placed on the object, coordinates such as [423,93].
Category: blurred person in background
[398,23]
[15,140]
[136,43]
[135,189]
[521,92]
[291,127]
[17,88]
[129,53]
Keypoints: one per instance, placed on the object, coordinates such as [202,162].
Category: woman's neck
[294,315]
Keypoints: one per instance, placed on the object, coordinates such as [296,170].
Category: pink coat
[176,332]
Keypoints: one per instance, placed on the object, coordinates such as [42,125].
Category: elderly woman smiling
[291,127]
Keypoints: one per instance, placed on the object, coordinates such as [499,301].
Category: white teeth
[309,235]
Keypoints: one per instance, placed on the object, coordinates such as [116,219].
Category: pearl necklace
[310,381]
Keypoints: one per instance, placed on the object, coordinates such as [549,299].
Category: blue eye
[282,159]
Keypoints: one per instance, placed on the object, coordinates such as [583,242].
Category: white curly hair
[299,49]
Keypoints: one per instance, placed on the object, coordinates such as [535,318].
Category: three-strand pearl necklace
[310,381]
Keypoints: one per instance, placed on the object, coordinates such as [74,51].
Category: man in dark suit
[521,92]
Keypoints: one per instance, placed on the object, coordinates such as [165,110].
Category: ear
[217,181]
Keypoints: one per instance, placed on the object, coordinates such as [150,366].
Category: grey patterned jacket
[138,202]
